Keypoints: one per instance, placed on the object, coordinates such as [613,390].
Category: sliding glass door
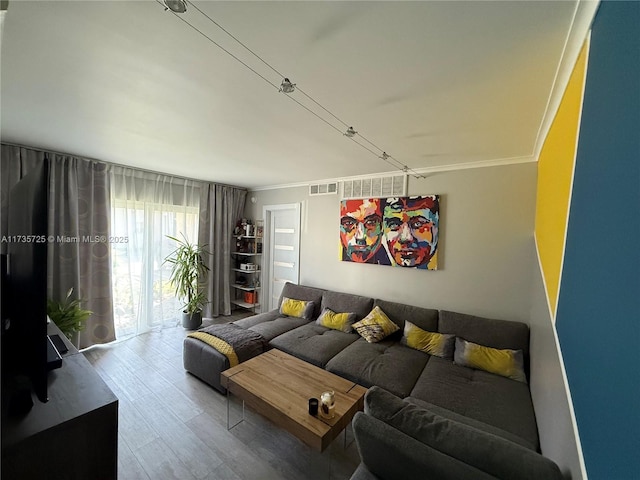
[143,297]
[145,208]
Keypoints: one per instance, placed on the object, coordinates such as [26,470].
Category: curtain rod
[121,165]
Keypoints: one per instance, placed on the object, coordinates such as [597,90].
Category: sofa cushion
[485,451]
[313,343]
[292,307]
[346,302]
[336,321]
[486,397]
[302,292]
[425,318]
[505,362]
[248,322]
[485,427]
[277,326]
[438,344]
[387,364]
[375,326]
[485,331]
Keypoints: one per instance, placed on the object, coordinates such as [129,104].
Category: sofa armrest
[389,454]
[363,473]
[470,445]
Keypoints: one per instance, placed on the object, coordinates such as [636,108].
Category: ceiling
[434,84]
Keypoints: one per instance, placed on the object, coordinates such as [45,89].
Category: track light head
[350,132]
[287,86]
[176,6]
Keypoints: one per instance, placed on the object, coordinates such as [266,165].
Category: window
[142,294]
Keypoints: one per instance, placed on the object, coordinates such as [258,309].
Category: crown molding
[579,32]
[421,171]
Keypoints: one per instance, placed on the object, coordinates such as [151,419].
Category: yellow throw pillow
[297,308]
[336,321]
[437,344]
[507,363]
[375,326]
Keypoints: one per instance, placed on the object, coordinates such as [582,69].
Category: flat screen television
[25,343]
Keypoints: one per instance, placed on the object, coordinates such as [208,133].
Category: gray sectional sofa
[497,407]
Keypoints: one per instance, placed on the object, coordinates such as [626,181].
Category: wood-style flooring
[174,426]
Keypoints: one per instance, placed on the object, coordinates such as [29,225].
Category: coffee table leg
[229,426]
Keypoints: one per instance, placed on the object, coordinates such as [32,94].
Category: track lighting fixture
[350,132]
[176,6]
[180,6]
[287,86]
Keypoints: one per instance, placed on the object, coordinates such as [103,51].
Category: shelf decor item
[187,268]
[250,297]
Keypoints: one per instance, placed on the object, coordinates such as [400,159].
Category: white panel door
[282,225]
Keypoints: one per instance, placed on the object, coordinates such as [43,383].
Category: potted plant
[187,268]
[68,315]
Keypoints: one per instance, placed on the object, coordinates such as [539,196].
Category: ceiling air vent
[372,187]
[323,188]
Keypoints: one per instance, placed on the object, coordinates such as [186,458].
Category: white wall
[486,248]
[548,391]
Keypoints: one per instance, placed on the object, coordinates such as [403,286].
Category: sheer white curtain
[145,208]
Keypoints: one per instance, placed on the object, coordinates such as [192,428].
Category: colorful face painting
[361,231]
[411,231]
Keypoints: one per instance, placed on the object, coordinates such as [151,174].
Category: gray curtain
[16,163]
[79,210]
[221,207]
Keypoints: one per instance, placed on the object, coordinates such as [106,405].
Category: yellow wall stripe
[555,176]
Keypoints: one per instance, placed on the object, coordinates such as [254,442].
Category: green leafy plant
[68,315]
[187,268]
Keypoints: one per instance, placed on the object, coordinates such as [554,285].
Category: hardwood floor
[173,426]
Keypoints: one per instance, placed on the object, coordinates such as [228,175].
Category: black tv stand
[54,359]
[74,436]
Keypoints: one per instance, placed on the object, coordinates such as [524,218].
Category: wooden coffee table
[278,386]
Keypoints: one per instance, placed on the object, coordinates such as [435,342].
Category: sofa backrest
[424,318]
[347,302]
[500,334]
[302,292]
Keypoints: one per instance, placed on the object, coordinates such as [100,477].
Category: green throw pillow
[507,363]
[375,326]
[336,321]
[297,308]
[437,344]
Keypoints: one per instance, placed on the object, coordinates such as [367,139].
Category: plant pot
[191,321]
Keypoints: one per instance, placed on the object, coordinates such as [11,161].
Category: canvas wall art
[394,231]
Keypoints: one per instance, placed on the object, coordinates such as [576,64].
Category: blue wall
[598,318]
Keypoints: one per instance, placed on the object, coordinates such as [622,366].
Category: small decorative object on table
[327,404]
[313,406]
